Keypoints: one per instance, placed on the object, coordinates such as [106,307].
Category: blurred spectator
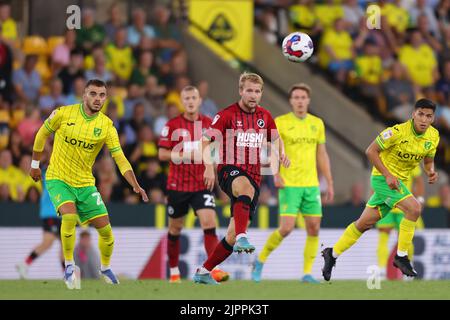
[29,126]
[421,8]
[443,85]
[130,127]
[16,147]
[27,81]
[302,17]
[120,57]
[167,33]
[396,16]
[420,61]
[369,71]
[173,96]
[74,70]
[115,22]
[336,51]
[144,148]
[28,189]
[154,93]
[99,70]
[17,114]
[268,25]
[353,14]
[442,13]
[139,28]
[327,12]
[86,257]
[61,53]
[429,37]
[356,196]
[107,178]
[6,67]
[144,69]
[55,98]
[135,96]
[91,33]
[7,24]
[5,118]
[153,180]
[78,90]
[159,123]
[9,177]
[399,94]
[208,106]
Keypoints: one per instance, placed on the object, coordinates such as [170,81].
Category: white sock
[241,235]
[202,270]
[68,262]
[104,268]
[174,271]
[402,253]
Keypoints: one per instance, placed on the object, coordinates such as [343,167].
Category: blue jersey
[46,208]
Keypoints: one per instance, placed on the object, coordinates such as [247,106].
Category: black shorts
[52,225]
[226,176]
[178,202]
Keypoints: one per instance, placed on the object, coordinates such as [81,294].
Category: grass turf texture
[284,290]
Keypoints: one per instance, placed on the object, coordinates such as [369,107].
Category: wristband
[34,164]
[421,199]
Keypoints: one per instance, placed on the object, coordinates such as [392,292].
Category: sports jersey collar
[87,117]
[414,130]
[298,118]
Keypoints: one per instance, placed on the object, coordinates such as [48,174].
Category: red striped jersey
[242,135]
[181,134]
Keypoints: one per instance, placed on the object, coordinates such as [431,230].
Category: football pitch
[235,290]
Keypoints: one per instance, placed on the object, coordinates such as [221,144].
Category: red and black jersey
[181,134]
[242,136]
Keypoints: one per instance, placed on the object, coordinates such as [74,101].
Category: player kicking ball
[240,130]
[80,131]
[394,153]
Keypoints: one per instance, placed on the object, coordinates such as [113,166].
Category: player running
[180,144]
[394,154]
[392,220]
[81,130]
[304,138]
[240,130]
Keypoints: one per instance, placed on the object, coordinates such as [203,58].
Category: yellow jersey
[396,17]
[300,137]
[78,140]
[420,63]
[340,42]
[403,149]
[369,68]
[11,177]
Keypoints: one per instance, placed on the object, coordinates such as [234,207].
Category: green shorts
[87,200]
[304,200]
[384,197]
[391,220]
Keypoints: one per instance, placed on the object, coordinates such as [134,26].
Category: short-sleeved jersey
[403,149]
[300,137]
[420,63]
[78,140]
[243,135]
[182,134]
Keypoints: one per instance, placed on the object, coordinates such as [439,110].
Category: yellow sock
[68,224]
[383,249]
[105,244]
[272,243]
[348,238]
[405,235]
[411,252]
[309,253]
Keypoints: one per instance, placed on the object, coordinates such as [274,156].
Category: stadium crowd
[145,65]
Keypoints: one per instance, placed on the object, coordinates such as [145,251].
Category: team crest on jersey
[260,123]
[234,172]
[165,131]
[427,145]
[386,135]
[216,118]
[238,123]
[97,132]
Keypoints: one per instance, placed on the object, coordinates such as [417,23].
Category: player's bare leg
[244,191]
[106,247]
[68,223]
[47,241]
[207,218]
[312,225]
[367,220]
[412,209]
[287,224]
[173,247]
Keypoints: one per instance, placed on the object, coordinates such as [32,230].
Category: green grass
[162,290]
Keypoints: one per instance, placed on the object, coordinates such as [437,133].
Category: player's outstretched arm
[373,154]
[127,171]
[208,175]
[429,169]
[323,161]
[38,148]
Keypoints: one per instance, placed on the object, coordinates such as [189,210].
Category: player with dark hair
[394,154]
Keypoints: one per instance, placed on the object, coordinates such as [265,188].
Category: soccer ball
[297,47]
